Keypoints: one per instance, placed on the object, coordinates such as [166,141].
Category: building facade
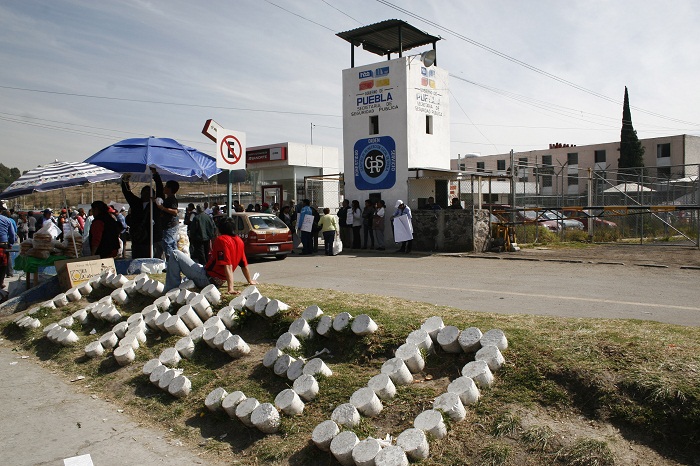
[564,169]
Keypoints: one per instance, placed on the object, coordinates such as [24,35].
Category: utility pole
[512,185]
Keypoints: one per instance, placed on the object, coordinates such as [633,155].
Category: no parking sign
[230,150]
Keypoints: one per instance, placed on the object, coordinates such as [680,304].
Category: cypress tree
[631,150]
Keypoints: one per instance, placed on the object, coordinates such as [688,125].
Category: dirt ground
[669,255]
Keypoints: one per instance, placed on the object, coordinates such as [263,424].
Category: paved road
[44,421]
[502,286]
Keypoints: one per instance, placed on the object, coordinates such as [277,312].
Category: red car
[585,218]
[264,235]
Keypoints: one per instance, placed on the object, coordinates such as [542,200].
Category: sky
[77,76]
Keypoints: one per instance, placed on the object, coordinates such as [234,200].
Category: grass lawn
[572,391]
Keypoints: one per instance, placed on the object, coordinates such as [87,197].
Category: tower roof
[386,37]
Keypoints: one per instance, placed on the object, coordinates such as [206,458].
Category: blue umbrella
[137,156]
[57,175]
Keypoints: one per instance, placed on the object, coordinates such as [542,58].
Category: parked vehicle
[264,235]
[585,218]
[562,220]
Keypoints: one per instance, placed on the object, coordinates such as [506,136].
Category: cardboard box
[72,272]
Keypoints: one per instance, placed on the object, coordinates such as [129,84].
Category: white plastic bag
[337,245]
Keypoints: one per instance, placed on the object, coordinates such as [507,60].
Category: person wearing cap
[403,209]
[47,215]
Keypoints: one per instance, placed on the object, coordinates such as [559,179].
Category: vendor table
[31,266]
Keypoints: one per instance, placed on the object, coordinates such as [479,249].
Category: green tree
[631,161]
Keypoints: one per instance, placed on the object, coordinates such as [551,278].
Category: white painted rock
[248,291]
[271,357]
[323,434]
[274,307]
[266,418]
[411,355]
[221,338]
[433,325]
[289,402]
[80,316]
[366,402]
[470,339]
[448,339]
[492,356]
[324,326]
[317,367]
[166,378]
[170,357]
[214,321]
[212,294]
[85,289]
[282,365]
[398,371]
[306,386]
[232,400]
[288,341]
[185,347]
[346,415]
[228,316]
[341,321]
[342,446]
[466,389]
[196,334]
[391,456]
[479,372]
[187,285]
[363,325]
[130,341]
[52,326]
[119,296]
[214,399]
[382,385]
[201,306]
[209,335]
[414,443]
[94,349]
[189,317]
[163,303]
[260,305]
[235,347]
[160,321]
[251,300]
[238,303]
[431,422]
[109,340]
[312,312]
[65,322]
[244,409]
[175,326]
[300,328]
[180,386]
[182,296]
[119,329]
[150,365]
[296,369]
[495,337]
[73,294]
[365,451]
[450,404]
[124,355]
[60,300]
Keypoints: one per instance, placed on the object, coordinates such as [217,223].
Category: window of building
[501,165]
[374,124]
[462,166]
[572,179]
[663,150]
[489,198]
[480,166]
[428,124]
[547,181]
[600,156]
[572,158]
[547,160]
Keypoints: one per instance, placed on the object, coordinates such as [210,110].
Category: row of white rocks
[167,378]
[412,444]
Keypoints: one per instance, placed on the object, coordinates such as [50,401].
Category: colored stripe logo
[382,82]
[364,85]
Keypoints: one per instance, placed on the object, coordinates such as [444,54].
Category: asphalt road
[502,286]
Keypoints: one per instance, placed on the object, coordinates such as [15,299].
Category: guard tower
[395,112]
